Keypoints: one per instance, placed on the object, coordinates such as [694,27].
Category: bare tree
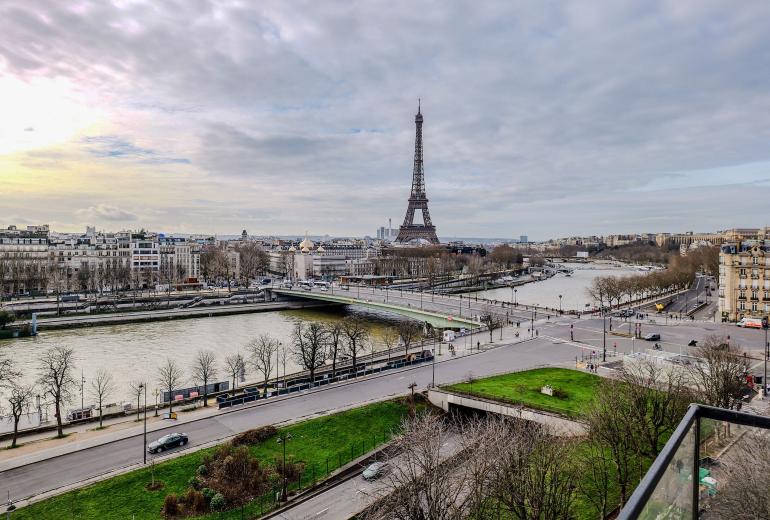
[657,398]
[419,485]
[204,369]
[492,321]
[262,355]
[56,380]
[235,365]
[7,370]
[335,333]
[742,475]
[169,377]
[534,478]
[596,483]
[19,401]
[356,335]
[390,339]
[608,423]
[101,388]
[409,332]
[309,344]
[720,374]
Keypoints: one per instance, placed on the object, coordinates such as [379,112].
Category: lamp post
[157,394]
[433,380]
[604,336]
[82,385]
[767,349]
[143,387]
[284,437]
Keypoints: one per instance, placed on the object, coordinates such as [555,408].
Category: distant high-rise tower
[418,199]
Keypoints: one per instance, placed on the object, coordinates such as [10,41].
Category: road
[687,300]
[74,467]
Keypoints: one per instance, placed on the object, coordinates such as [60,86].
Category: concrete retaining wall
[560,425]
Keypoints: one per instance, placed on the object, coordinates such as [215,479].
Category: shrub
[254,436]
[202,470]
[195,501]
[194,482]
[218,502]
[170,506]
[208,493]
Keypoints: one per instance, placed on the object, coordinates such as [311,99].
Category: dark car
[653,336]
[172,440]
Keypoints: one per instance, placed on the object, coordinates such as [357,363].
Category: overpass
[439,311]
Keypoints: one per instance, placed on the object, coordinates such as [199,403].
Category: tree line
[611,291]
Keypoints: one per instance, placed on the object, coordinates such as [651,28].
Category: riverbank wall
[69,322]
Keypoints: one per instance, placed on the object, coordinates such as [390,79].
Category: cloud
[109,146]
[105,212]
[531,110]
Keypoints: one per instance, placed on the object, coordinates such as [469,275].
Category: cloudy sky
[542,118]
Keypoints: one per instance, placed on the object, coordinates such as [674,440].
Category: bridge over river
[439,310]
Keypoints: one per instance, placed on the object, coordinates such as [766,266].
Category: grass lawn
[333,437]
[524,388]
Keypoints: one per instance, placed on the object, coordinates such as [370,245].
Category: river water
[571,288]
[132,352]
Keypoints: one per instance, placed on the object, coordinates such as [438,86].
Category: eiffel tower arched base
[417,232]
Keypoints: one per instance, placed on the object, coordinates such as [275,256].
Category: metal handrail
[641,495]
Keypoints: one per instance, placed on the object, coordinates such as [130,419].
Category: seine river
[132,352]
[571,288]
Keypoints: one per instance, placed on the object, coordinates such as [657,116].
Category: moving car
[172,440]
[653,336]
[374,471]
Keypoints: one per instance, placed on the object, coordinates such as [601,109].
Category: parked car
[172,440]
[653,336]
[374,471]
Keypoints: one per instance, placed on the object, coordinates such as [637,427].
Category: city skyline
[558,121]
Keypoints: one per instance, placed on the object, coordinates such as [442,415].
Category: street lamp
[82,384]
[284,437]
[143,386]
[604,336]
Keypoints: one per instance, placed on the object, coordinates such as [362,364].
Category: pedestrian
[537,332]
[478,345]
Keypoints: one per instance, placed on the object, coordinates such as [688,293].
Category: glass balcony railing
[710,467]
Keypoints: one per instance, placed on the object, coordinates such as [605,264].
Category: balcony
[720,447]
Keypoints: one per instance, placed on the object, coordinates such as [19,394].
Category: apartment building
[23,259]
[179,259]
[744,278]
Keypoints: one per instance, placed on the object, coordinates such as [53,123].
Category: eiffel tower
[418,199]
